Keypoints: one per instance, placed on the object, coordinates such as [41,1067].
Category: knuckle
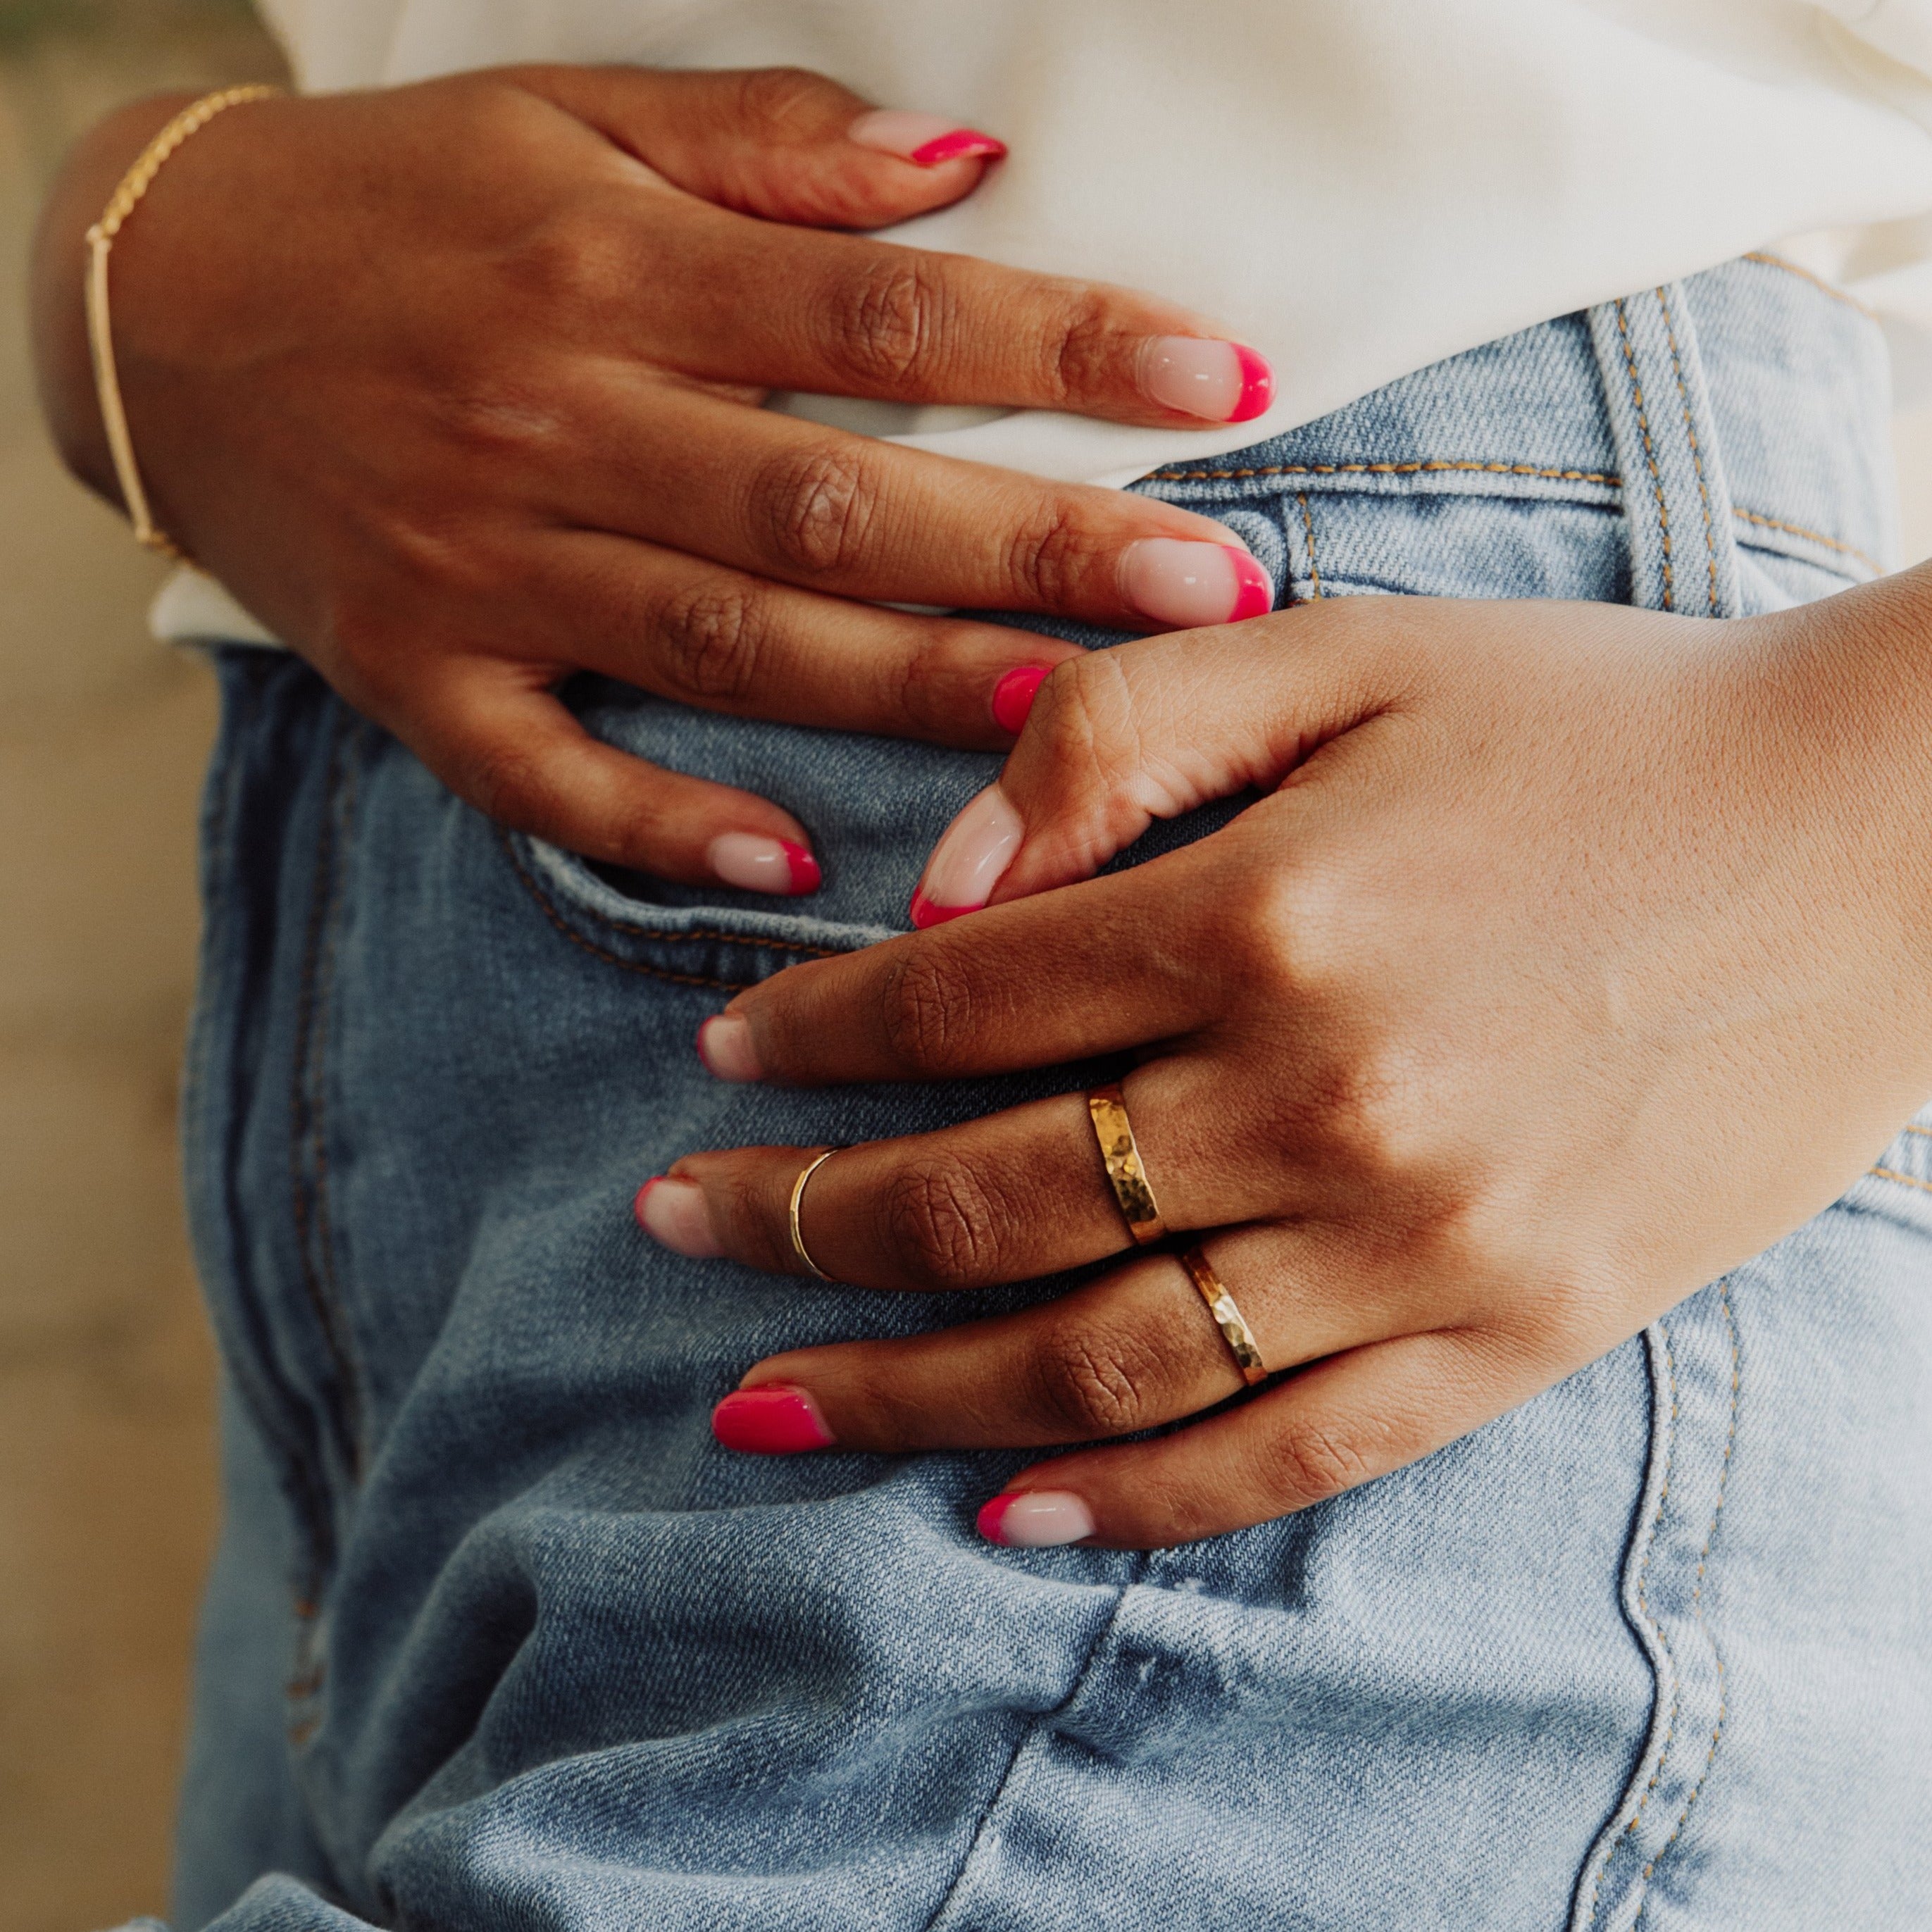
[925,1013]
[1082,353]
[812,507]
[782,97]
[507,784]
[709,638]
[1093,1383]
[1311,1464]
[942,1223]
[576,262]
[888,319]
[1049,555]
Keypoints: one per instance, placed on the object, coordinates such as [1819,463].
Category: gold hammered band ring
[1228,1318]
[798,1247]
[1122,1159]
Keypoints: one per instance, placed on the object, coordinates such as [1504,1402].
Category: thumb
[777,142]
[1150,729]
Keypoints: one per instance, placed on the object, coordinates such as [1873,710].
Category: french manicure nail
[774,1421]
[1036,1519]
[972,854]
[674,1214]
[1014,694]
[1220,382]
[756,865]
[924,139]
[1184,585]
[725,1045]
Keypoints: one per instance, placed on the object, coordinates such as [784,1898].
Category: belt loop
[1677,505]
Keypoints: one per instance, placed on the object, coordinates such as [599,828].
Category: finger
[1133,1351]
[1108,966]
[512,750]
[1156,728]
[873,319]
[838,512]
[728,641]
[1343,1422]
[1011,1196]
[777,142]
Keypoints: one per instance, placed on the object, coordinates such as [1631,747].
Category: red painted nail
[990,1516]
[774,1421]
[1014,694]
[1035,1520]
[925,913]
[1257,386]
[961,144]
[1255,596]
[803,866]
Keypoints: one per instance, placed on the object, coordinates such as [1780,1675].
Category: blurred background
[107,1461]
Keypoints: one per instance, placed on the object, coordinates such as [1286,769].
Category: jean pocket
[726,947]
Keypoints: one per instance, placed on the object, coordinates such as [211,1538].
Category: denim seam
[1033,1730]
[306,1496]
[1657,1631]
[1810,536]
[1690,437]
[306,1121]
[1314,569]
[1649,448]
[1903,1180]
[663,935]
[1697,1606]
[1430,466]
[590,946]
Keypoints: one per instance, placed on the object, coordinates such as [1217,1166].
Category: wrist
[62,363]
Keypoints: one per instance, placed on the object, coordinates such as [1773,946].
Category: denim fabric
[499,1637]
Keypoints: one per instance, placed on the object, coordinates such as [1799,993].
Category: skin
[455,387]
[1573,956]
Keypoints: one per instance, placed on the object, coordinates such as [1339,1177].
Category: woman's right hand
[457,387]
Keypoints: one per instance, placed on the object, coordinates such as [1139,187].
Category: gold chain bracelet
[134,184]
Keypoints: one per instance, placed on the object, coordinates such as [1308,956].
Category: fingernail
[1014,694]
[774,1421]
[973,853]
[673,1212]
[1036,1519]
[1220,382]
[757,865]
[725,1045]
[924,139]
[1184,584]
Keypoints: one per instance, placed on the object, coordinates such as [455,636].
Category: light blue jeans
[499,1640]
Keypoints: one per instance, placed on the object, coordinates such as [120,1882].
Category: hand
[456,386]
[1573,955]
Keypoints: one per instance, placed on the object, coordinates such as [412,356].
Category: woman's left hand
[1572,955]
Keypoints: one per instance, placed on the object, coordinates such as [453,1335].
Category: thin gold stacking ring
[1122,1159]
[1228,1318]
[798,1247]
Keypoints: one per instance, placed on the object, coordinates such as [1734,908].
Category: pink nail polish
[924,139]
[1186,585]
[757,864]
[674,1214]
[774,1421]
[1014,694]
[1219,382]
[969,861]
[725,1045]
[1035,1520]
